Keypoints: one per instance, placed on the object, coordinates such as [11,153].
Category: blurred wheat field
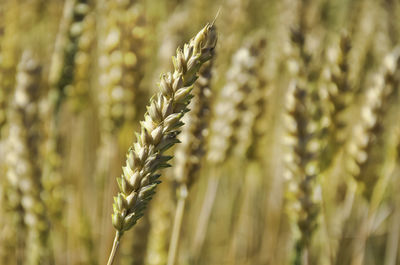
[277,144]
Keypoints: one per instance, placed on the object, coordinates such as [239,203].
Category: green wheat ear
[159,132]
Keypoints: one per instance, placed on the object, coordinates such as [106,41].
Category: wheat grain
[159,132]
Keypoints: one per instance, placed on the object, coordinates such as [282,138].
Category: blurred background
[300,161]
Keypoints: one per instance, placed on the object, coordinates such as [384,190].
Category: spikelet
[368,134]
[24,140]
[229,109]
[121,63]
[159,132]
[189,154]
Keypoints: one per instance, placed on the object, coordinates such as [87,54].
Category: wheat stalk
[159,132]
[160,230]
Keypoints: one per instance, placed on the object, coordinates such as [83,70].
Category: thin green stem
[180,208]
[114,247]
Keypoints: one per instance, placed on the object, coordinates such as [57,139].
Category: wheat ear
[302,168]
[189,154]
[26,112]
[368,134]
[368,167]
[228,115]
[62,69]
[61,75]
[304,128]
[159,132]
[121,63]
[78,91]
[340,92]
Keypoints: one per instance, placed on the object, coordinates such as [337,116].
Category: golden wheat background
[290,153]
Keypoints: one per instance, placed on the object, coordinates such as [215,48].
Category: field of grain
[194,132]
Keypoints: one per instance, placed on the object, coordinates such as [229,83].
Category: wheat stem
[205,214]
[114,247]
[180,209]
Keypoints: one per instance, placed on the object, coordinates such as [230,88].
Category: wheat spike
[229,109]
[368,134]
[121,63]
[339,95]
[189,154]
[228,119]
[302,165]
[78,91]
[304,128]
[253,129]
[63,62]
[159,132]
[26,131]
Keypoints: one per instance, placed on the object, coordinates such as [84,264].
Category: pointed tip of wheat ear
[159,130]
